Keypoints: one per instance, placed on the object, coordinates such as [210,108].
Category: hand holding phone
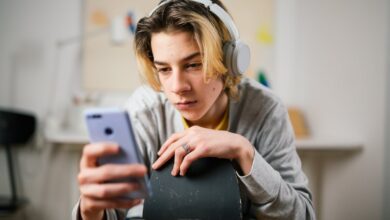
[114,125]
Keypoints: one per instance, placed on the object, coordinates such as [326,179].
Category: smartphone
[114,125]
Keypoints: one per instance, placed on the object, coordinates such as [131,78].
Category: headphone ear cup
[240,58]
[236,57]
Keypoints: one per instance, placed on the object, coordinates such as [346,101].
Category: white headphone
[236,53]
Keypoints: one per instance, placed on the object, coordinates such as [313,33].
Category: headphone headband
[215,9]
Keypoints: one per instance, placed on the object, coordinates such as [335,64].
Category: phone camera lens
[108,131]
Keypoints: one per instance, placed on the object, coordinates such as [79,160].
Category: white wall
[334,62]
[29,31]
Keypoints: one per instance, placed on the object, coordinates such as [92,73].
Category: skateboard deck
[209,190]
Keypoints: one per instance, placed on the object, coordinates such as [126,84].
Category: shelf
[70,137]
[328,144]
[66,136]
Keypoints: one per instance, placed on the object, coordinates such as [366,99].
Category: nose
[179,81]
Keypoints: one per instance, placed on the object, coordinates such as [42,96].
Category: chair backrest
[16,127]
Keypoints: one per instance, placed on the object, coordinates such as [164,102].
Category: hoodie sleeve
[276,185]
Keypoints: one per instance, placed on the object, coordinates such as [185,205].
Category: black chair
[16,127]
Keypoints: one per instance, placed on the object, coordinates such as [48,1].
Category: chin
[191,117]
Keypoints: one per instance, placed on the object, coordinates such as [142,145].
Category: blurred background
[329,61]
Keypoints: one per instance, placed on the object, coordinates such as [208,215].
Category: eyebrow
[189,57]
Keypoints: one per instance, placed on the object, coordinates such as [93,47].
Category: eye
[163,70]
[194,66]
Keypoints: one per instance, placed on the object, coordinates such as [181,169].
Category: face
[178,63]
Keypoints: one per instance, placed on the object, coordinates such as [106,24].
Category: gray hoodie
[275,188]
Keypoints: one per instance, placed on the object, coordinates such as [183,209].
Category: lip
[186,105]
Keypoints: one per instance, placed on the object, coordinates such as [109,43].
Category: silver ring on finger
[186,148]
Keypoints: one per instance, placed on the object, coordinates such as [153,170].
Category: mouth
[185,105]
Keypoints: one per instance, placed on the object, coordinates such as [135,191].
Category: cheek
[217,87]
[214,90]
[163,83]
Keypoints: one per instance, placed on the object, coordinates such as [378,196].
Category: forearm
[289,204]
[273,197]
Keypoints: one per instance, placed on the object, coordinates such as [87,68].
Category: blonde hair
[208,31]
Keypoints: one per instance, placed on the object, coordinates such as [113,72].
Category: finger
[168,153]
[92,151]
[173,138]
[108,190]
[180,153]
[189,159]
[164,158]
[94,204]
[110,172]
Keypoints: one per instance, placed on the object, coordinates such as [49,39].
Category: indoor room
[326,62]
